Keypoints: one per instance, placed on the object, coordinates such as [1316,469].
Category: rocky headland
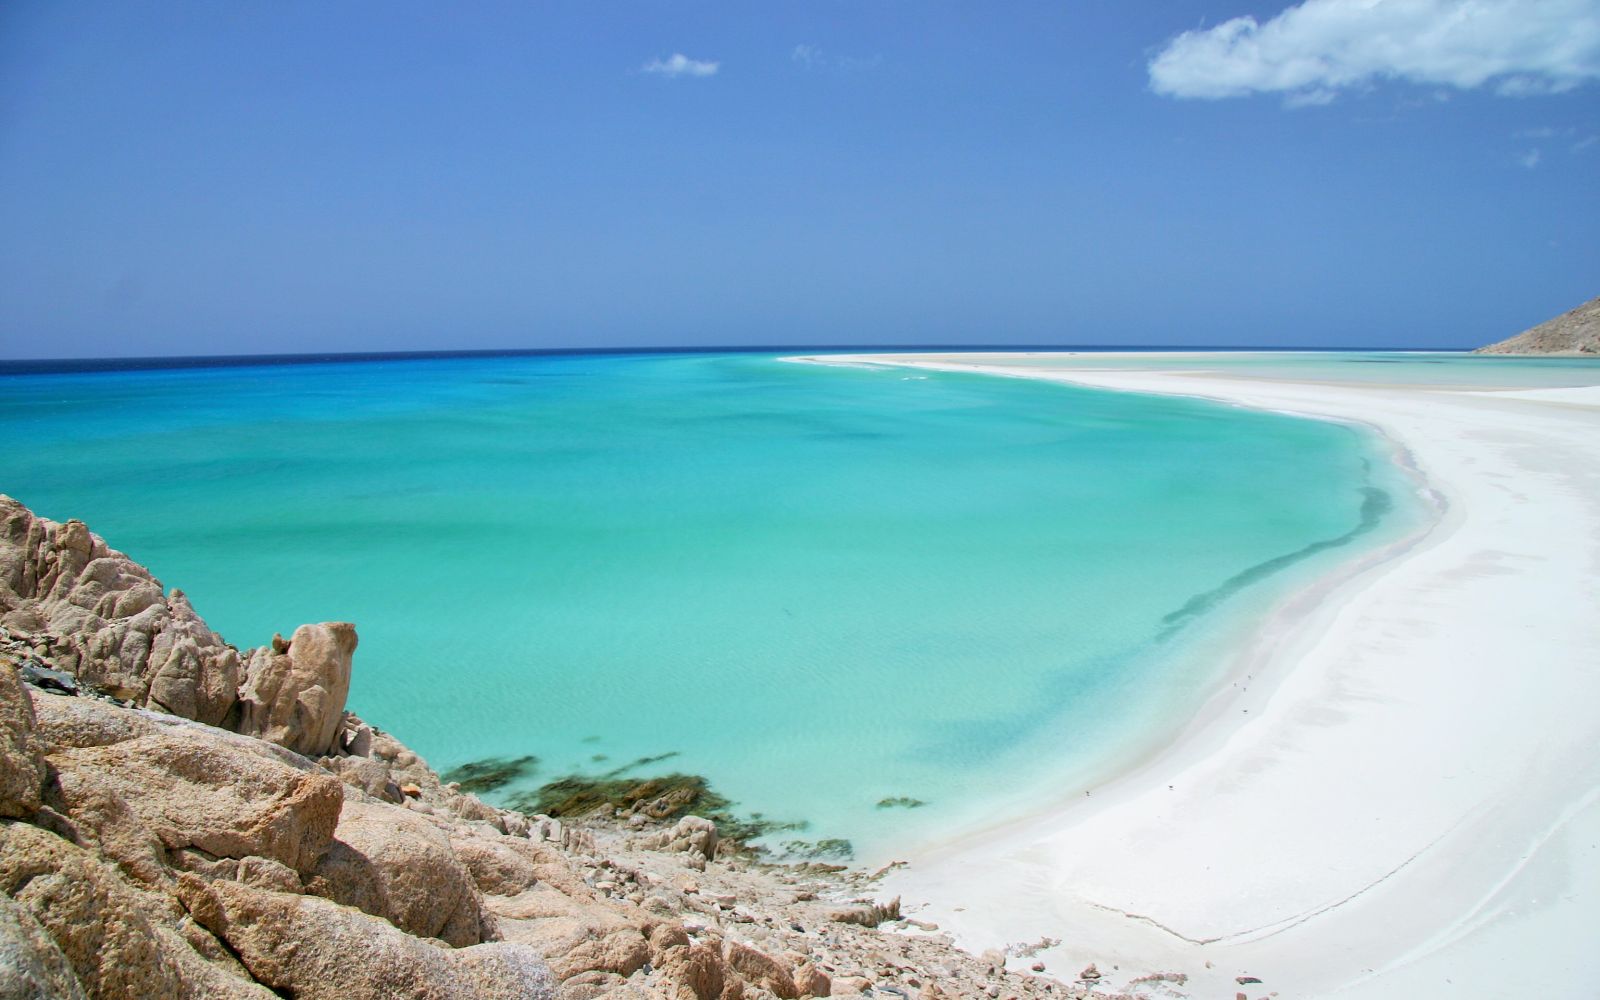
[1576,331]
[182,819]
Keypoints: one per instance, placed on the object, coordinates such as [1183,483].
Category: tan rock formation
[114,940]
[117,631]
[296,699]
[318,950]
[223,797]
[400,866]
[691,835]
[21,770]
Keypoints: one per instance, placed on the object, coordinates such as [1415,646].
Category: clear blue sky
[253,177]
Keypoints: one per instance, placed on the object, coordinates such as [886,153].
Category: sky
[278,177]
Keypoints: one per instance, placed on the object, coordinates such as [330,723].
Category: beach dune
[1395,790]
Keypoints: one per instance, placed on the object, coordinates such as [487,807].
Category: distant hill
[1575,332]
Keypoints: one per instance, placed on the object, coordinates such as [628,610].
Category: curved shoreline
[1401,805]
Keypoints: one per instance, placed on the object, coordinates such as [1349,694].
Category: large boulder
[314,949]
[577,933]
[110,935]
[227,796]
[296,698]
[396,864]
[21,770]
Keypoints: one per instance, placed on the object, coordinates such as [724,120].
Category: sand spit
[1405,801]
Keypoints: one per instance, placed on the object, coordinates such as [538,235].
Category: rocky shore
[182,819]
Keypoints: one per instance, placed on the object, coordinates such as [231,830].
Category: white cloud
[806,55]
[1530,159]
[1316,48]
[679,64]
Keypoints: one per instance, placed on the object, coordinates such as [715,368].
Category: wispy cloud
[1531,158]
[812,57]
[1317,48]
[679,64]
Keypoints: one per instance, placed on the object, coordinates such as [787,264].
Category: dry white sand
[1401,797]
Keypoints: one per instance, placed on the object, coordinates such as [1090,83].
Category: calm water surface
[819,587]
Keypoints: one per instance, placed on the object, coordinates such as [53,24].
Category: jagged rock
[32,967]
[315,949]
[46,679]
[497,867]
[355,737]
[296,699]
[118,633]
[223,796]
[21,770]
[869,915]
[810,981]
[698,967]
[691,834]
[575,931]
[106,931]
[373,777]
[399,866]
[192,672]
[760,969]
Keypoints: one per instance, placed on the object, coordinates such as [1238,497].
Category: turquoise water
[1435,369]
[817,586]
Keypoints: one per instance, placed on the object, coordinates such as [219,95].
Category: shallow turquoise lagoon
[818,586]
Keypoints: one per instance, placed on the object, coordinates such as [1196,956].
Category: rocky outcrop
[296,697]
[304,946]
[1576,331]
[225,799]
[111,625]
[117,942]
[164,833]
[692,835]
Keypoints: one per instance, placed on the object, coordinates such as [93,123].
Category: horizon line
[57,366]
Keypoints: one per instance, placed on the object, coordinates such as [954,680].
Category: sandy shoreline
[1405,801]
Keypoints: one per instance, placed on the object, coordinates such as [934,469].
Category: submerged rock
[900,802]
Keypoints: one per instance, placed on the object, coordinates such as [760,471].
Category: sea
[881,606]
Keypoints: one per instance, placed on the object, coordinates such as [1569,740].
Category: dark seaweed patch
[831,847]
[664,798]
[491,773]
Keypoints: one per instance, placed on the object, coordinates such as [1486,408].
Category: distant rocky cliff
[1573,332]
[181,821]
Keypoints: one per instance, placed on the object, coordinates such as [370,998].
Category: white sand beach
[1396,793]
